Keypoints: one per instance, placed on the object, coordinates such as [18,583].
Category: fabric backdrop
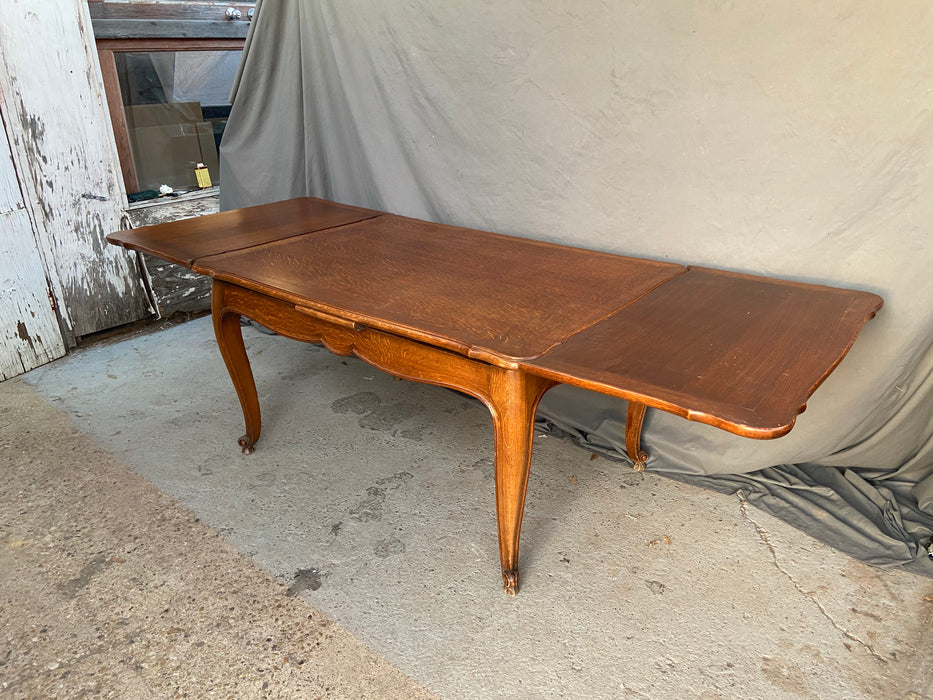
[787,139]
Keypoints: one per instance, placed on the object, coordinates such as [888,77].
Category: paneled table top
[476,293]
[506,318]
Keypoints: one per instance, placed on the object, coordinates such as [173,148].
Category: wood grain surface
[492,297]
[740,352]
[184,242]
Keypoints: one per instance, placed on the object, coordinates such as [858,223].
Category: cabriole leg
[633,423]
[230,341]
[514,398]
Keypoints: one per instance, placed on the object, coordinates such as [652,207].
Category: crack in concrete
[766,538]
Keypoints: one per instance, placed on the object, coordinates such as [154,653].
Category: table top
[741,352]
[737,351]
[186,241]
[489,296]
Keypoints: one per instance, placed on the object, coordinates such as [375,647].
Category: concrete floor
[354,554]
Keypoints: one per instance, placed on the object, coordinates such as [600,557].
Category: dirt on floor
[108,588]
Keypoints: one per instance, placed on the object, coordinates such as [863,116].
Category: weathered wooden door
[63,188]
[29,332]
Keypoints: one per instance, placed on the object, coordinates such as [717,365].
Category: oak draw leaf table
[504,319]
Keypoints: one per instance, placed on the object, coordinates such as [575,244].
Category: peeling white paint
[174,287]
[68,172]
[29,332]
[174,208]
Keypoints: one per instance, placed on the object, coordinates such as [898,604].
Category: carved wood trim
[511,396]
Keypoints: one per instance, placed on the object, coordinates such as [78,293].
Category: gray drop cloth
[790,140]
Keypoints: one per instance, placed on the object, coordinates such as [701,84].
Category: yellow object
[203,175]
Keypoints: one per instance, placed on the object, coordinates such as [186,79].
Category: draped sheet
[792,140]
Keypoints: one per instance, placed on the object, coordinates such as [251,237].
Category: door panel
[62,145]
[29,330]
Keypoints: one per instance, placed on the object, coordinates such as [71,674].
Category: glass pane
[176,106]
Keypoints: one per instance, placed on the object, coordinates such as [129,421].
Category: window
[176,106]
[168,70]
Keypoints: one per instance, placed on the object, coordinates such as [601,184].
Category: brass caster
[639,464]
[247,445]
[510,579]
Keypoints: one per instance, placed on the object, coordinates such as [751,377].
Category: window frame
[154,27]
